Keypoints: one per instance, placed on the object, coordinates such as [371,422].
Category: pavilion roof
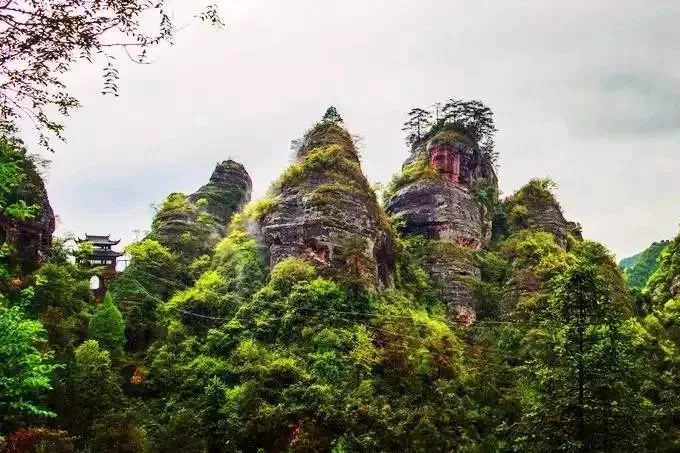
[99,239]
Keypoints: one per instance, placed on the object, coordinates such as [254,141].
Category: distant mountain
[638,268]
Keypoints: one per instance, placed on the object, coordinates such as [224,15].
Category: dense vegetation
[638,268]
[214,352]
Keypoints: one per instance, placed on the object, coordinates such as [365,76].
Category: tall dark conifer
[331,116]
[419,121]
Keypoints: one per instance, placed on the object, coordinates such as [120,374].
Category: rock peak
[226,167]
[192,225]
[228,191]
[324,211]
[438,196]
[534,206]
[327,134]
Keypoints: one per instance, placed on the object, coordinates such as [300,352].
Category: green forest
[430,313]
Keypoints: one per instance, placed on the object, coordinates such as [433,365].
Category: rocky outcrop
[452,268]
[443,205]
[675,286]
[441,209]
[192,225]
[550,218]
[325,211]
[440,195]
[31,237]
[227,192]
[534,207]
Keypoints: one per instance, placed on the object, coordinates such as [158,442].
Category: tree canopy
[41,40]
[331,116]
[107,326]
[471,118]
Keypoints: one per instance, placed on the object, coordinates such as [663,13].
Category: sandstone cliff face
[192,225]
[324,211]
[443,206]
[452,267]
[441,209]
[439,202]
[31,237]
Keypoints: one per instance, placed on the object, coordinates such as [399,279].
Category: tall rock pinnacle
[440,195]
[324,210]
[227,192]
[192,225]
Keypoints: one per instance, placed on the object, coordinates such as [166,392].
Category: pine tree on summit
[419,121]
[331,116]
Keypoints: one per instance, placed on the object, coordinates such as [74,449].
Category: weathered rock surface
[534,207]
[444,209]
[452,272]
[326,212]
[675,286]
[441,209]
[227,192]
[550,218]
[31,237]
[456,158]
[192,225]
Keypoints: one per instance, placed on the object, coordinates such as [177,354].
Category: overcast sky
[584,92]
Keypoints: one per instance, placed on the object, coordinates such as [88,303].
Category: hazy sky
[584,92]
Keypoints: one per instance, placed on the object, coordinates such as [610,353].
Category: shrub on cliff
[183,226]
[238,258]
[420,168]
[534,196]
[334,159]
[321,134]
[24,212]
